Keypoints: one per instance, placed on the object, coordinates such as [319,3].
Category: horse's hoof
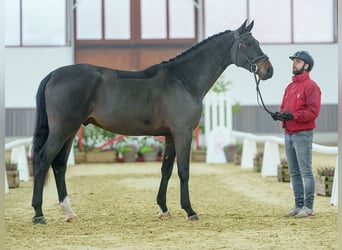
[193,217]
[38,220]
[164,215]
[72,219]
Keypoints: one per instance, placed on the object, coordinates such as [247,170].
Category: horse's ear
[250,26]
[242,28]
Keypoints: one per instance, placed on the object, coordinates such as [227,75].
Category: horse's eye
[243,45]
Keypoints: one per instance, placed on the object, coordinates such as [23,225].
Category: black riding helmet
[305,56]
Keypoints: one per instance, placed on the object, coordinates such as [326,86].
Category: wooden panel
[125,58]
[112,58]
[148,57]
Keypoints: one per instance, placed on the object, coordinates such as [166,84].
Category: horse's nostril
[270,72]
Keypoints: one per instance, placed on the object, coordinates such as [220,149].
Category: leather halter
[254,69]
[252,63]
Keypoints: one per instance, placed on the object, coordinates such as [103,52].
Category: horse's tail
[41,130]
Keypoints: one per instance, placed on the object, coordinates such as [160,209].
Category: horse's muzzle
[265,70]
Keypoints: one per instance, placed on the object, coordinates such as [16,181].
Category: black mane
[197,45]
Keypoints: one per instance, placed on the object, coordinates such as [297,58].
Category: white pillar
[18,155]
[270,160]
[249,150]
[6,183]
[334,192]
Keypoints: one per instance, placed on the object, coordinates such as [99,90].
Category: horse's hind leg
[168,161]
[59,166]
[42,161]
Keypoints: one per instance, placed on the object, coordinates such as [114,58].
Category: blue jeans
[298,148]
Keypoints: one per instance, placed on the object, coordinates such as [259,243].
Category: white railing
[18,150]
[271,157]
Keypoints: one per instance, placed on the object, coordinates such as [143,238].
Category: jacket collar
[301,77]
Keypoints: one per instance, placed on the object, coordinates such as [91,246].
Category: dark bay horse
[164,99]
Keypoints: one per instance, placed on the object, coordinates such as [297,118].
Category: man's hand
[276,116]
[286,116]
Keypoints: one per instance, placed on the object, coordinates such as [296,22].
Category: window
[273,26]
[314,23]
[153,19]
[182,19]
[117,19]
[45,23]
[289,21]
[221,15]
[135,21]
[35,23]
[89,20]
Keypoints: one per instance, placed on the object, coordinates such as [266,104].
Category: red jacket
[302,98]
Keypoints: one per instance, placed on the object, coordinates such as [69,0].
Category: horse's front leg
[166,170]
[183,146]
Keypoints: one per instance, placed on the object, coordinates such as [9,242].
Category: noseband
[254,69]
[252,63]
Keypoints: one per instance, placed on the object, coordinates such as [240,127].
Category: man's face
[298,66]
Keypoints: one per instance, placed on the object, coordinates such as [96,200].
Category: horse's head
[247,53]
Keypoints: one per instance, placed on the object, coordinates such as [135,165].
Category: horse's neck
[201,66]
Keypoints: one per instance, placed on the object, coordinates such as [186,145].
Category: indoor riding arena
[116,209]
[161,124]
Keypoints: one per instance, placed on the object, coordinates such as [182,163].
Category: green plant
[221,85]
[10,166]
[149,144]
[259,155]
[233,147]
[93,137]
[326,171]
[127,148]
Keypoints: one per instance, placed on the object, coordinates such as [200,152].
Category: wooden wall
[126,58]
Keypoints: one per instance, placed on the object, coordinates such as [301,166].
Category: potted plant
[199,155]
[92,138]
[238,153]
[257,161]
[232,151]
[149,148]
[283,171]
[324,180]
[12,174]
[127,152]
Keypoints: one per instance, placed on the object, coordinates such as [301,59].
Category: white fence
[18,150]
[218,133]
[218,124]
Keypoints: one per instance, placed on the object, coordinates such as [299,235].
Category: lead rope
[259,96]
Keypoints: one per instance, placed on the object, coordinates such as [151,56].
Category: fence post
[218,125]
[249,150]
[18,155]
[6,183]
[270,159]
[334,192]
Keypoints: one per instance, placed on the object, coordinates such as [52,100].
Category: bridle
[254,69]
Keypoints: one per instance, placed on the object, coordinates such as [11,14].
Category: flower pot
[128,156]
[101,156]
[324,185]
[229,155]
[150,156]
[237,159]
[257,164]
[199,155]
[283,171]
[80,157]
[13,178]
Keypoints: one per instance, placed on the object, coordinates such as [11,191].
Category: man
[298,111]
